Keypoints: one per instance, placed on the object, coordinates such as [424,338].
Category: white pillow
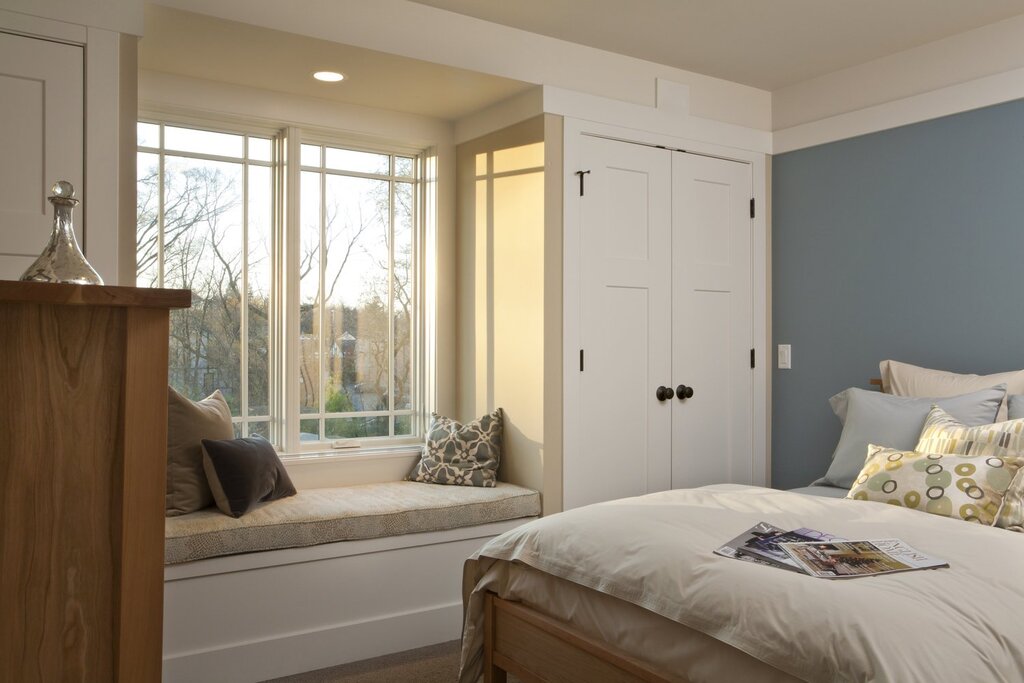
[903,379]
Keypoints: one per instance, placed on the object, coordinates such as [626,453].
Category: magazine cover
[734,548]
[759,544]
[846,559]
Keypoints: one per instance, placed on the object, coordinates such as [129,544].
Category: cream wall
[509,296]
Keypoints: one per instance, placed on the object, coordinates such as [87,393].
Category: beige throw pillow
[904,379]
[964,487]
[943,433]
[188,423]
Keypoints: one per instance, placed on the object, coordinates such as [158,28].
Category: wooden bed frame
[538,649]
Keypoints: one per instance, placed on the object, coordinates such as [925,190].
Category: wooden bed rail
[538,649]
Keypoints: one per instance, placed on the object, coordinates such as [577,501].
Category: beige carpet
[433,664]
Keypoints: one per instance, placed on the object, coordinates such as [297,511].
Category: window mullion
[243,302]
[290,344]
[391,303]
[322,388]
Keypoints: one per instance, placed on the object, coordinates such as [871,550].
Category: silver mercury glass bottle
[62,260]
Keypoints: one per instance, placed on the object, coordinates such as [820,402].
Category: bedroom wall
[902,244]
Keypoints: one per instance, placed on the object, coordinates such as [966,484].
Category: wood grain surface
[95,295]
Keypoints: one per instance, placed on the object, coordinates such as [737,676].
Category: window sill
[328,454]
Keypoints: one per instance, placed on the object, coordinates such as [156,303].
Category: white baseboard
[316,649]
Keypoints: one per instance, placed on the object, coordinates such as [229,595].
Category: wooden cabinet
[83,432]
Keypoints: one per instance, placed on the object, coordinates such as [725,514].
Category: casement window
[310,327]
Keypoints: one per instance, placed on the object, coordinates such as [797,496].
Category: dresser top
[14,291]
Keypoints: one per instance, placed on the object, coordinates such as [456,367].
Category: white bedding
[958,624]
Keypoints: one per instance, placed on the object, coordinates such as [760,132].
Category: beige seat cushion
[316,516]
[904,379]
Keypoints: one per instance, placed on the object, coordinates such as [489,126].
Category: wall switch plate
[785,357]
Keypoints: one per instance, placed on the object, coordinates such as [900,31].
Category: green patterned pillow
[461,454]
[967,487]
[943,433]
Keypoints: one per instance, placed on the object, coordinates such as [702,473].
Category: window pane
[259,276]
[203,141]
[203,252]
[259,149]
[311,155]
[261,428]
[355,427]
[147,221]
[404,166]
[403,425]
[356,293]
[309,430]
[361,162]
[403,295]
[309,294]
[147,134]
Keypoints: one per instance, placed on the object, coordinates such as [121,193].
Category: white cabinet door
[712,321]
[41,138]
[626,279]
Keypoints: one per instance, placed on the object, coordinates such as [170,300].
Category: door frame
[574,129]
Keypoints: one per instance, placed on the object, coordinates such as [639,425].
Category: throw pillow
[188,423]
[1015,406]
[943,433]
[904,379]
[464,455]
[244,472]
[964,487]
[895,421]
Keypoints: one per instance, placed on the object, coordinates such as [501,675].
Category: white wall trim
[506,113]
[981,92]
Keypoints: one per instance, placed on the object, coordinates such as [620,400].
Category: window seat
[319,516]
[325,577]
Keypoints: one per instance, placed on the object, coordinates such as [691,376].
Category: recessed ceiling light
[329,76]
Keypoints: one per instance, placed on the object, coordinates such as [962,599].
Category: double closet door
[666,323]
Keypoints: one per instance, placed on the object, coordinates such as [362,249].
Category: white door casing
[625,256]
[42,138]
[712,321]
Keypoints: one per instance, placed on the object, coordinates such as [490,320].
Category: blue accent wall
[905,244]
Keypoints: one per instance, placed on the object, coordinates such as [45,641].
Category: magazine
[760,544]
[847,559]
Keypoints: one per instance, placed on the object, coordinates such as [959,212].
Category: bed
[630,590]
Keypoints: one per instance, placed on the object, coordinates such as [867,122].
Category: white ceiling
[200,46]
[766,44]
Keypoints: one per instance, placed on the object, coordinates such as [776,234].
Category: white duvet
[964,623]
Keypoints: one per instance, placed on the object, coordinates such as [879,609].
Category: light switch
[785,357]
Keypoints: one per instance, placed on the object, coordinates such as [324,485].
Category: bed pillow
[943,433]
[894,421]
[1015,407]
[966,487]
[461,454]
[904,379]
[244,472]
[188,423]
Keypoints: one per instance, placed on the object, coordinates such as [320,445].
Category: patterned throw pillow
[464,455]
[943,433]
[967,487]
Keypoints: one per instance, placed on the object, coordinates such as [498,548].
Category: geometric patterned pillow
[463,455]
[943,433]
[967,487]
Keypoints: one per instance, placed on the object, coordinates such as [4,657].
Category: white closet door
[712,321]
[41,135]
[626,282]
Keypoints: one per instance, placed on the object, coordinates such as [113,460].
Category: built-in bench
[325,577]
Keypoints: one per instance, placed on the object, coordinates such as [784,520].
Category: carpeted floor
[433,664]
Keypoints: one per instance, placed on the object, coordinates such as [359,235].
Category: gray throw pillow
[463,455]
[188,423]
[871,417]
[1015,404]
[244,472]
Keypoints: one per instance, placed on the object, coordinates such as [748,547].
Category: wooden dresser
[83,443]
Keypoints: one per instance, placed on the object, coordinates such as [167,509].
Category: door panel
[42,116]
[712,313]
[625,432]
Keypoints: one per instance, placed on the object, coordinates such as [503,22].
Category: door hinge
[581,360]
[751,357]
[751,207]
[581,174]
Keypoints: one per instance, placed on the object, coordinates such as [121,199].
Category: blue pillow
[871,417]
[1015,407]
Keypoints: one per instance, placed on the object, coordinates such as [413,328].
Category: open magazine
[824,555]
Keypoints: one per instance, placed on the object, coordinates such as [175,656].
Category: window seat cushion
[316,516]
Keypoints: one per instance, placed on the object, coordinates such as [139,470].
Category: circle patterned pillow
[967,487]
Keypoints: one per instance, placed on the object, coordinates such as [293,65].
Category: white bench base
[262,615]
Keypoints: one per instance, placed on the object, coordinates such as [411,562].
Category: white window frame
[284,334]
